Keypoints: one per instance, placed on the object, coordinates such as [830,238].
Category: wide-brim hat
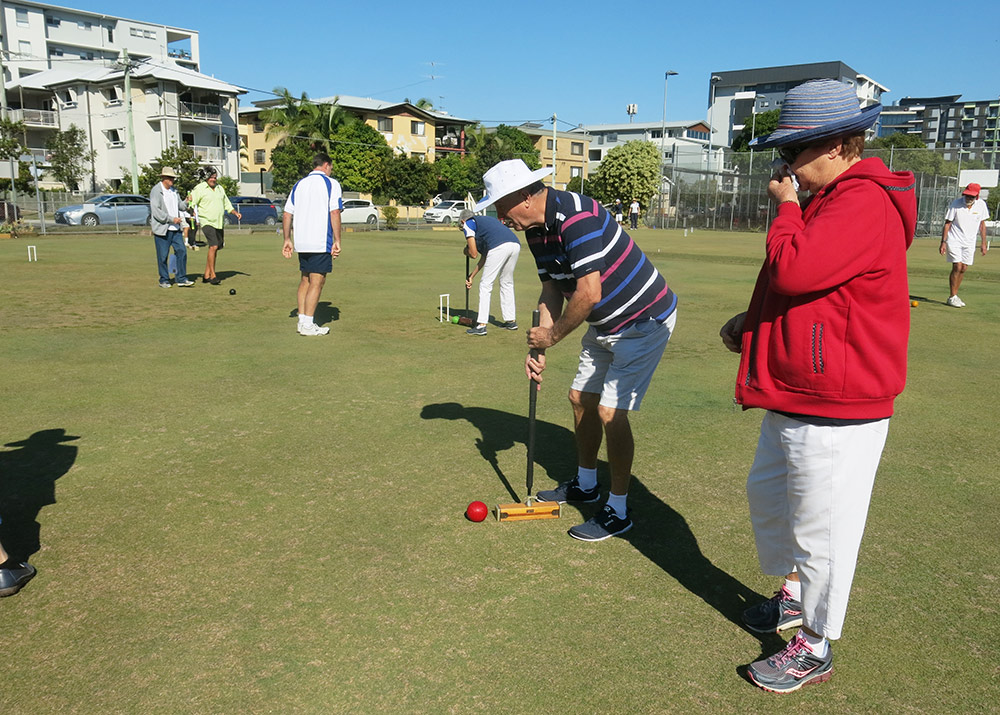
[818,109]
[506,177]
[169,172]
[972,190]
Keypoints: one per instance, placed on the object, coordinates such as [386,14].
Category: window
[258,126]
[258,156]
[114,138]
[187,139]
[417,128]
[83,24]
[548,144]
[149,34]
[385,124]
[576,148]
[67,98]
[111,34]
[613,137]
[575,171]
[24,47]
[52,21]
[135,32]
[22,17]
[656,134]
[55,52]
[114,97]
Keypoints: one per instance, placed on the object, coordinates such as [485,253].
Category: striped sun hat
[818,109]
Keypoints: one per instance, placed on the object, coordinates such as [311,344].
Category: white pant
[501,261]
[809,489]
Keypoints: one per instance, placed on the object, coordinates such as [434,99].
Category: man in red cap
[967,215]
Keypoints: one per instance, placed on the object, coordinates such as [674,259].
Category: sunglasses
[790,153]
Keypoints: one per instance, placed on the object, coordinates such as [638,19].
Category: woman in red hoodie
[822,349]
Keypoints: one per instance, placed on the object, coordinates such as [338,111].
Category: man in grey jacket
[165,207]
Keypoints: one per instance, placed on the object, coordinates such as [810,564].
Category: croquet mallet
[530,509]
[465,319]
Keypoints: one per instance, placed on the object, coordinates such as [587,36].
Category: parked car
[106,209]
[253,209]
[359,211]
[445,212]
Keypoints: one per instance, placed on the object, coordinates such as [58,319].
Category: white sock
[617,502]
[587,478]
[795,587]
[305,319]
[817,644]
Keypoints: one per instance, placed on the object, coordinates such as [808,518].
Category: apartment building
[684,144]
[967,128]
[569,150]
[64,67]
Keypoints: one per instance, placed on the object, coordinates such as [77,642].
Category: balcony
[204,112]
[35,117]
[208,154]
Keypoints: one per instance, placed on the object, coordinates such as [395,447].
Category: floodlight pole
[663,134]
[711,111]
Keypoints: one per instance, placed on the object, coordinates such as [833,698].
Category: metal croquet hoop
[444,308]
[32,253]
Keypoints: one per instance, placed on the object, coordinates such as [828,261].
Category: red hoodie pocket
[808,348]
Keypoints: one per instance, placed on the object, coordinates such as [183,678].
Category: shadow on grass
[28,477]
[922,299]
[325,313]
[226,275]
[662,534]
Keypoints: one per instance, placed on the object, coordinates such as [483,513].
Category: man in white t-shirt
[967,216]
[312,214]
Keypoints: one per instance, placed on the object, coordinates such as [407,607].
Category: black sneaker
[570,491]
[793,667]
[774,615]
[509,325]
[601,526]
[12,579]
[477,330]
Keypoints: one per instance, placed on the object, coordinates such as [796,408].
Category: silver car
[106,209]
[445,212]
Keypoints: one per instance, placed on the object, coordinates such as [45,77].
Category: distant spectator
[210,201]
[497,248]
[633,213]
[165,209]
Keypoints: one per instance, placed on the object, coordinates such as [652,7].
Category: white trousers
[500,261]
[809,490]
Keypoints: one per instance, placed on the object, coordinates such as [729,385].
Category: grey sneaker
[570,491]
[601,526]
[12,579]
[509,325]
[185,284]
[165,285]
[774,615]
[477,330]
[795,666]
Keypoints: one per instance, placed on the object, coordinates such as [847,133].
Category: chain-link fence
[733,195]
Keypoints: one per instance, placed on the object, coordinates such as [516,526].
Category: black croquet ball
[232,291]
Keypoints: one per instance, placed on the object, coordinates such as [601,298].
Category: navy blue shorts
[315,263]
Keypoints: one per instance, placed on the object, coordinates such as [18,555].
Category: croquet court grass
[229,517]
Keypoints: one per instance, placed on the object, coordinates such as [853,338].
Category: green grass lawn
[231,517]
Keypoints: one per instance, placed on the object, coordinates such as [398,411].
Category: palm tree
[302,119]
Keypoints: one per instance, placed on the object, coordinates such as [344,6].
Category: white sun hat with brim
[507,177]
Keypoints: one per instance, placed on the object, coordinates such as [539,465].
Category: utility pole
[127,66]
[553,150]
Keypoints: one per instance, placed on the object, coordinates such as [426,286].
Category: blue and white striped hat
[818,109]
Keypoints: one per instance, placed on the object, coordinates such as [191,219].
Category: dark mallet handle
[532,400]
[466,286]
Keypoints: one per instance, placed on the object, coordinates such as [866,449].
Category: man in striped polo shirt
[313,211]
[592,271]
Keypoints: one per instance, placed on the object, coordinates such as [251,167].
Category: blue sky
[515,60]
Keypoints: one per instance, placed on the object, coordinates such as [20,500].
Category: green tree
[300,119]
[629,170]
[518,145]
[290,161]
[361,158]
[765,123]
[456,173]
[410,180]
[179,157]
[10,139]
[68,156]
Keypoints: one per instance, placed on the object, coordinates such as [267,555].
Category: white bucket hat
[507,177]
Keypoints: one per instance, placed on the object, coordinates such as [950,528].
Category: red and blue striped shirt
[580,237]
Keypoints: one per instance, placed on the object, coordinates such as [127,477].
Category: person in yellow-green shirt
[212,204]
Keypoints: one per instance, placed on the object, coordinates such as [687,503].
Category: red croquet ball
[477,511]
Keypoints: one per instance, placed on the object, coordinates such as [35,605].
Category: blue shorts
[315,263]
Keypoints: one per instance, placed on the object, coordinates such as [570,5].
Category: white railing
[200,111]
[35,117]
[210,154]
